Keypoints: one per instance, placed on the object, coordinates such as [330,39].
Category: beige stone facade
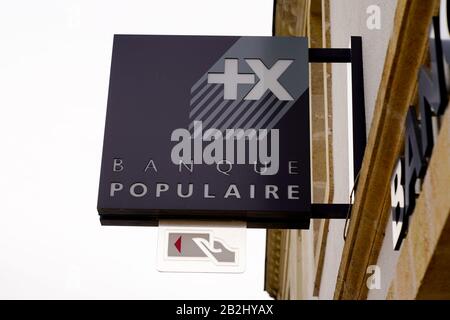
[284,263]
[317,263]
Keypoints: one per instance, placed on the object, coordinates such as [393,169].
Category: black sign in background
[149,94]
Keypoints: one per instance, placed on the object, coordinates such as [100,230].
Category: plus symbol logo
[268,79]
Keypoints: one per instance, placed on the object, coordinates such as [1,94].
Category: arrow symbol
[178,244]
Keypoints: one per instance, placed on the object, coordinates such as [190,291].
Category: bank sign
[421,133]
[206,127]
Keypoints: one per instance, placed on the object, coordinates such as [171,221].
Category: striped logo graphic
[240,91]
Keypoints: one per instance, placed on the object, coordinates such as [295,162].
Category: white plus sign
[230,79]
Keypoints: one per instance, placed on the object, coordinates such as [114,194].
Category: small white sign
[197,246]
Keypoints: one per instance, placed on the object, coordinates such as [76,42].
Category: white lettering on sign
[115,186]
[139,189]
[293,167]
[117,165]
[151,164]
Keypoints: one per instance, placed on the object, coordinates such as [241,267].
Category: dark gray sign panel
[207,127]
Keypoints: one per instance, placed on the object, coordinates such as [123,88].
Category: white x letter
[268,79]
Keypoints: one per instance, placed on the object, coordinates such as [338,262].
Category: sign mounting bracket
[351,55]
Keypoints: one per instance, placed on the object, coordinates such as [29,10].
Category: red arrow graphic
[178,244]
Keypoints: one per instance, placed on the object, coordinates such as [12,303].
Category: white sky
[54,71]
